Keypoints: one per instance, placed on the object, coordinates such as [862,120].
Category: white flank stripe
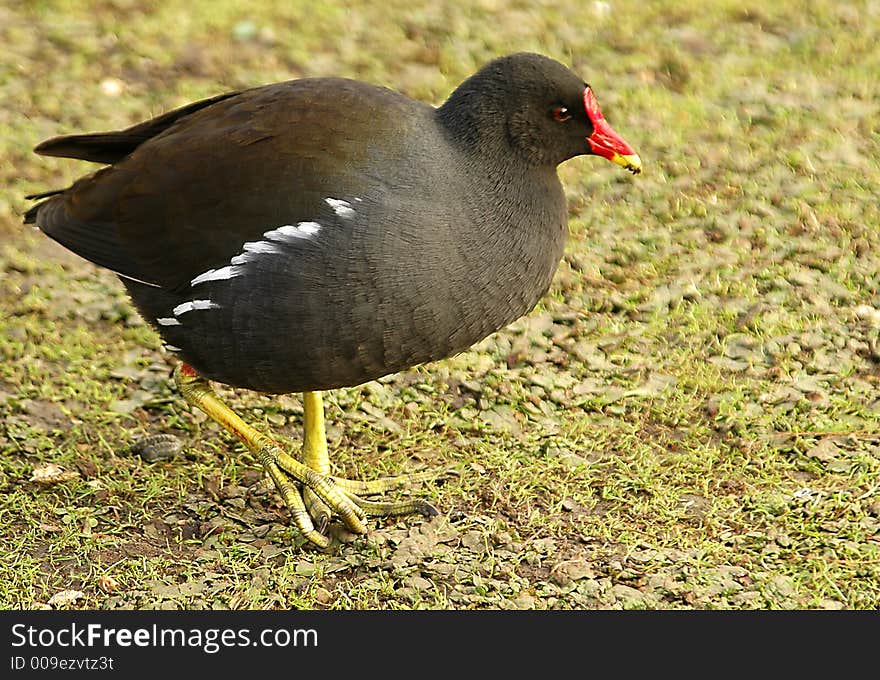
[167,321]
[288,232]
[283,233]
[309,228]
[194,304]
[221,274]
[261,247]
[253,248]
[340,207]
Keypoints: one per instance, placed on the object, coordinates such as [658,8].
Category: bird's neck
[475,120]
[522,226]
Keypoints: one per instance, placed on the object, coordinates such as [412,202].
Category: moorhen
[324,232]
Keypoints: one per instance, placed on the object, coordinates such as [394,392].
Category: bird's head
[548,113]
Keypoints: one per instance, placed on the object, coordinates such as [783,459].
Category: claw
[318,510]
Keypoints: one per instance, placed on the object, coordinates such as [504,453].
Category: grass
[689,419]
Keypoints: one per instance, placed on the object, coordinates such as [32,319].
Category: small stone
[322,595]
[304,568]
[50,473]
[869,314]
[783,586]
[66,598]
[157,447]
[108,584]
[573,570]
[523,600]
[276,419]
[826,451]
[626,595]
[418,583]
[474,541]
[569,505]
[112,87]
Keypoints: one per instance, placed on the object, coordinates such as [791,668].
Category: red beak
[605,141]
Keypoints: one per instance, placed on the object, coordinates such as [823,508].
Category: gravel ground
[688,420]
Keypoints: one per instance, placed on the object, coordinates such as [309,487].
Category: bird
[322,232]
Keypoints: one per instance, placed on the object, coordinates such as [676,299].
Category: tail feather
[99,147]
[96,242]
[30,217]
[45,194]
[112,147]
[80,217]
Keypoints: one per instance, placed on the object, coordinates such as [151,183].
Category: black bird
[324,232]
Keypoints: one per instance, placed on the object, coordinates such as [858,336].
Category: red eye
[561,113]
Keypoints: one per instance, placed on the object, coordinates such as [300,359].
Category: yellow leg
[321,494]
[279,465]
[315,437]
[316,457]
[314,454]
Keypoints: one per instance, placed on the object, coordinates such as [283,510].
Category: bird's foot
[316,497]
[323,496]
[311,494]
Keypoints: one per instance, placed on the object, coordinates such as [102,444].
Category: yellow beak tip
[632,162]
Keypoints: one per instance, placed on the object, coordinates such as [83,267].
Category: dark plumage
[324,232]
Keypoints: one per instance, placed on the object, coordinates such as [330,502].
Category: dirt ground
[688,420]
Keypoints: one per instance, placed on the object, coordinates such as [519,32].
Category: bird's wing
[219,176]
[112,147]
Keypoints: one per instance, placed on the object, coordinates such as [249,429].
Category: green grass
[689,419]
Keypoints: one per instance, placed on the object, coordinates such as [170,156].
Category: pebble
[157,447]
